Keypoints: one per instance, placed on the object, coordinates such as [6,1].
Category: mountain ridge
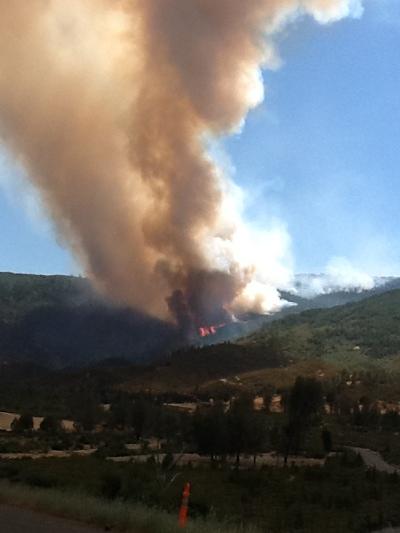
[365,328]
[60,321]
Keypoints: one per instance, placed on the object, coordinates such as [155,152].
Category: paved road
[375,460]
[17,520]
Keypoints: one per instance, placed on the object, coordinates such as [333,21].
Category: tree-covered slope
[22,293]
[61,321]
[370,328]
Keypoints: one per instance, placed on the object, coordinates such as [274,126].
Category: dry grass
[118,515]
[283,378]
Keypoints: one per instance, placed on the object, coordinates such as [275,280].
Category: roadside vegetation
[340,496]
[117,515]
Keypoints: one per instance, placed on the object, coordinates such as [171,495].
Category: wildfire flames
[204,331]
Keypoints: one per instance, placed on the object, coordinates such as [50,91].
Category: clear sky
[322,154]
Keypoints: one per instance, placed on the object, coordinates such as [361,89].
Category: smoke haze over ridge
[110,107]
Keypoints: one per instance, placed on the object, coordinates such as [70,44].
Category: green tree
[245,432]
[139,416]
[89,415]
[51,425]
[331,400]
[267,395]
[256,437]
[326,437]
[120,413]
[305,400]
[210,431]
[304,403]
[22,424]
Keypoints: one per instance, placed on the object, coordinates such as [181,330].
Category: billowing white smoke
[339,275]
[110,105]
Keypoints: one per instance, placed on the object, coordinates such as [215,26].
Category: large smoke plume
[111,105]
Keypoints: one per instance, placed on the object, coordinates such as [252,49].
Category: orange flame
[204,331]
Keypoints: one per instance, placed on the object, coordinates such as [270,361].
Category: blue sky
[322,154]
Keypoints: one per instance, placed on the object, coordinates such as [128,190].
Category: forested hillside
[369,328]
[60,321]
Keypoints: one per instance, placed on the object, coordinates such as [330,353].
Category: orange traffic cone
[183,511]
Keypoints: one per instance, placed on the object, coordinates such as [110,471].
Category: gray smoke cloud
[110,106]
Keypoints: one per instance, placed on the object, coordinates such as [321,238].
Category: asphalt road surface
[17,520]
[375,460]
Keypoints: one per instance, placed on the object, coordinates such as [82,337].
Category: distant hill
[333,295]
[363,335]
[34,388]
[367,328]
[299,303]
[60,321]
[191,368]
